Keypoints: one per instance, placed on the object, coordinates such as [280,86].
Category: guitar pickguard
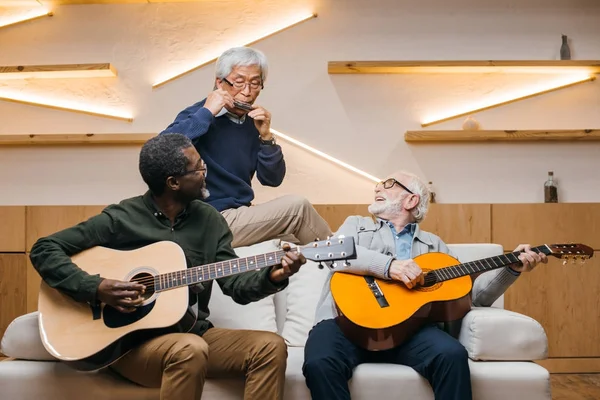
[116,319]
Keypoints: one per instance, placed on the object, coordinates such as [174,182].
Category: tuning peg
[320,266]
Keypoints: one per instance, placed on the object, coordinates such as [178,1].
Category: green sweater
[200,230]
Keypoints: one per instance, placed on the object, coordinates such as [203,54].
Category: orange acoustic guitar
[380,314]
[91,337]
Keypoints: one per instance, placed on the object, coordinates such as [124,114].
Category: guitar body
[88,338]
[383,314]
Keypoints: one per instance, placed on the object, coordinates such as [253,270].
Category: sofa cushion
[22,339]
[260,315]
[497,334]
[301,298]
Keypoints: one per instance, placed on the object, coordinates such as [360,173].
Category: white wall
[360,119]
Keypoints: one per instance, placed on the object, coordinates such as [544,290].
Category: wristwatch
[270,142]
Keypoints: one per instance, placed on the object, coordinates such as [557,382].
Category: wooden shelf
[466,66]
[502,136]
[68,2]
[103,70]
[126,139]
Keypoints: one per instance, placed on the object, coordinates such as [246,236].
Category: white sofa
[501,345]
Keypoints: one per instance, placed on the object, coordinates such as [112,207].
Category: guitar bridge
[376,290]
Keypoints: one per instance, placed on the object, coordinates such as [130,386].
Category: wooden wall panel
[45,220]
[13,288]
[454,223]
[537,224]
[459,223]
[336,214]
[12,229]
[33,287]
[564,299]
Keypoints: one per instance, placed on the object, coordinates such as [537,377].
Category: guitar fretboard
[485,264]
[216,270]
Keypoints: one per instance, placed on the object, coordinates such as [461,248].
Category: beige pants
[278,218]
[179,363]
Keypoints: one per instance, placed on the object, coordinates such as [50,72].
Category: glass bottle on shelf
[431,193]
[550,189]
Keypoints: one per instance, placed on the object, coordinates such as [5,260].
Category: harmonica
[242,105]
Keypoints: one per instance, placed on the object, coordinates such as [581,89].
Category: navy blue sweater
[232,152]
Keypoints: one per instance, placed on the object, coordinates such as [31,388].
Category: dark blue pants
[330,358]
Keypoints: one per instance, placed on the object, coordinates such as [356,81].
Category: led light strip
[525,94]
[64,106]
[215,54]
[325,156]
[17,19]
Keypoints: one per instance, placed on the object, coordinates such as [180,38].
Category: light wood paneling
[459,223]
[463,66]
[502,136]
[45,220]
[336,214]
[571,365]
[564,299]
[12,229]
[33,286]
[454,223]
[537,224]
[575,387]
[13,288]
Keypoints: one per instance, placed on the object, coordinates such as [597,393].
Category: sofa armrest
[495,334]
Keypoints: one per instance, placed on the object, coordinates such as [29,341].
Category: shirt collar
[232,117]
[415,230]
[155,209]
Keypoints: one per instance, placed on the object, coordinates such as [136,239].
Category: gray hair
[162,156]
[241,56]
[417,186]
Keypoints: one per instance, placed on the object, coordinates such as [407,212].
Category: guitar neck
[483,265]
[191,276]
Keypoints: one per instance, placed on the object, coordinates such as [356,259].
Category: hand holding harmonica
[217,99]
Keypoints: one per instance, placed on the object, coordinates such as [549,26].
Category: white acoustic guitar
[89,338]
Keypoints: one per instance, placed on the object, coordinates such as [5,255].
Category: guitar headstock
[571,251]
[334,249]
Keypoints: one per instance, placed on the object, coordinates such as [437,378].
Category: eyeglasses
[389,183]
[254,85]
[193,171]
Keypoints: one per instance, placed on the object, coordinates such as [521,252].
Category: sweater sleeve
[192,122]
[249,286]
[51,256]
[270,169]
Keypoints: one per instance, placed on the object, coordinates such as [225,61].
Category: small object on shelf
[471,124]
[565,51]
[550,189]
[431,193]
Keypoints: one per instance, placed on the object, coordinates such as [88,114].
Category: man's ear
[173,183]
[217,84]
[413,202]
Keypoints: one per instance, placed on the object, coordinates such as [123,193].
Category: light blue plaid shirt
[404,240]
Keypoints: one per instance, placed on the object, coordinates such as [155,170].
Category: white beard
[205,193]
[387,207]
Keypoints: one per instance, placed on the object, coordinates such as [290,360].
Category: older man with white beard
[386,246]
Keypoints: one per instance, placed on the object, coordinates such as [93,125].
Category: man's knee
[189,349]
[322,367]
[454,354]
[271,347]
[297,204]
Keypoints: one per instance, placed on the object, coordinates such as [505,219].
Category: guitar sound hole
[147,280]
[115,319]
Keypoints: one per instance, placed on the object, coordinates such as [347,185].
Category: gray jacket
[375,247]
